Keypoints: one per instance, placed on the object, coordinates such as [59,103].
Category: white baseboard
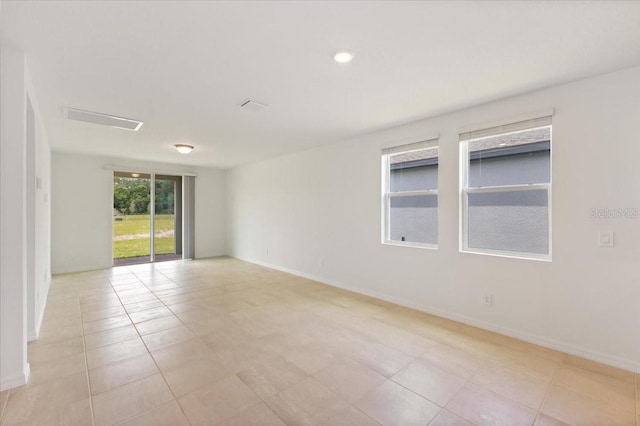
[612,360]
[84,268]
[15,380]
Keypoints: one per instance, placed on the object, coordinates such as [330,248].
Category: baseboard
[608,359]
[73,269]
[15,380]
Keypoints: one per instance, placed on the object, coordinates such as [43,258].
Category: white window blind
[415,146]
[506,128]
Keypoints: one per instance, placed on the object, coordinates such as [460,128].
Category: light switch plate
[605,239]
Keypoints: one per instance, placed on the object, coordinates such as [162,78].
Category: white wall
[317,213]
[42,247]
[82,202]
[24,219]
[38,224]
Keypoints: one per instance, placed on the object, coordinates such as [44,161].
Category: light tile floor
[221,341]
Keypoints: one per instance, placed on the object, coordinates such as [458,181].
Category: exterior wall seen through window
[411,197]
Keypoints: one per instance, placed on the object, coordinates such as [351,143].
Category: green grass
[139,225]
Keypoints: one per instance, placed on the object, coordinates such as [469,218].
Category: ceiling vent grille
[250,105]
[102,119]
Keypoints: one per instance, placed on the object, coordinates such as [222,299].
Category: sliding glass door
[147,217]
[167,235]
[131,220]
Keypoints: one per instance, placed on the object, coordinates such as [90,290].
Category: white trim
[507,188]
[464,234]
[463,151]
[410,141]
[130,169]
[532,115]
[44,307]
[387,195]
[85,268]
[152,218]
[410,244]
[507,254]
[625,364]
[412,193]
[384,223]
[15,380]
[465,190]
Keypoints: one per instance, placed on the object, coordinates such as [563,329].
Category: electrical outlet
[487,299]
[605,238]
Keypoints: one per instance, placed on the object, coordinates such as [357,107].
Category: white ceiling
[184,67]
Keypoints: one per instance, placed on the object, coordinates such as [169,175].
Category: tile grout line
[86,362]
[544,398]
[147,348]
[416,358]
[5,403]
[485,362]
[585,395]
[233,374]
[126,359]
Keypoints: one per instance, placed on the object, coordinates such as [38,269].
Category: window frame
[465,190]
[388,195]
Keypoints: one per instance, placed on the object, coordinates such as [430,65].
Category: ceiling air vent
[102,119]
[250,105]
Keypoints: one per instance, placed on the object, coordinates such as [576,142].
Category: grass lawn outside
[131,235]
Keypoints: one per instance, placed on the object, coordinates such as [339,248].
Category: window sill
[411,245]
[509,254]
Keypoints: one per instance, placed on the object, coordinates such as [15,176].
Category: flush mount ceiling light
[135,174]
[102,119]
[183,149]
[343,56]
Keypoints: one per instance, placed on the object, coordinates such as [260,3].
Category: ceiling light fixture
[343,56]
[135,174]
[183,149]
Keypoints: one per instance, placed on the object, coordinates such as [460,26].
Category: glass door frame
[152,205]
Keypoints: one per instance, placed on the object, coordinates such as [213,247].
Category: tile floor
[225,342]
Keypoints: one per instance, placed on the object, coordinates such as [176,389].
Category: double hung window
[506,189]
[410,204]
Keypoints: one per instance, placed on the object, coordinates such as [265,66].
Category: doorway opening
[147,218]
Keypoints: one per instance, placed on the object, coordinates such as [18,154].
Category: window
[410,212]
[506,189]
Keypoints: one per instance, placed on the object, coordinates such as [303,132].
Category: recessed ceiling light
[183,149]
[343,56]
